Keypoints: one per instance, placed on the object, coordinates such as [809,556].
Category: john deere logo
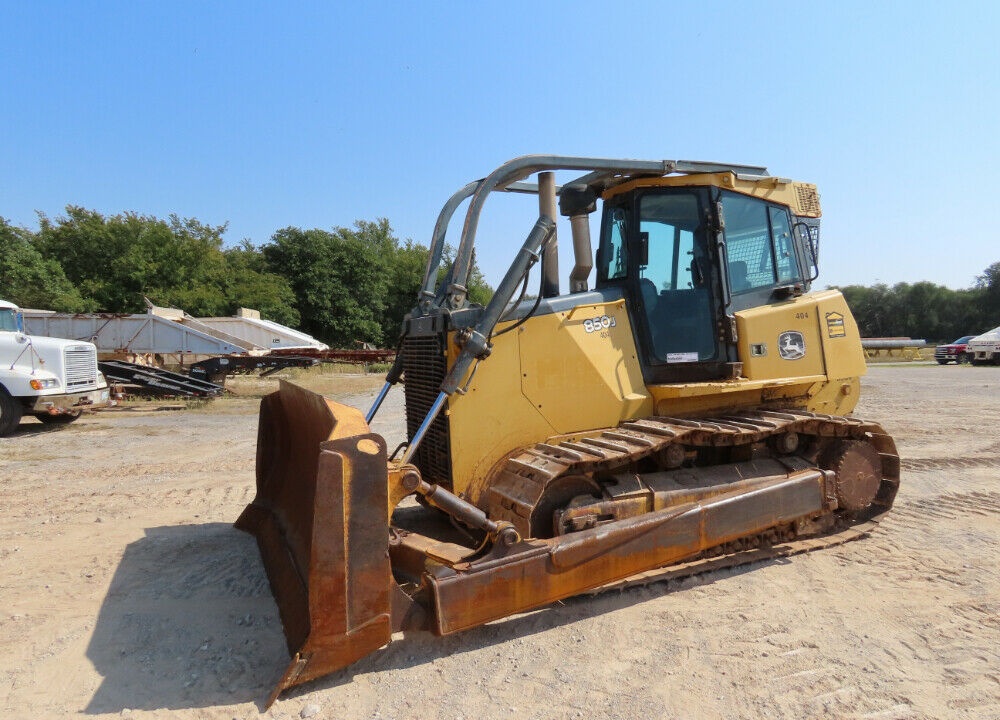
[791,345]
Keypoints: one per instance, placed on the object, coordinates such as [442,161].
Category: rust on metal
[319,475]
[564,517]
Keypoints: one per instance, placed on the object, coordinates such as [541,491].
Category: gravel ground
[125,591]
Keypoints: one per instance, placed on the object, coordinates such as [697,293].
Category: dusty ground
[125,591]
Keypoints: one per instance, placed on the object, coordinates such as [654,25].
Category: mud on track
[125,591]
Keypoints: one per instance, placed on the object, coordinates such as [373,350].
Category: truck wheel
[963,358]
[64,419]
[10,413]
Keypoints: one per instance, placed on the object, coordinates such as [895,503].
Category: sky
[268,115]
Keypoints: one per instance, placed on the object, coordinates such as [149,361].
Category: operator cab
[690,257]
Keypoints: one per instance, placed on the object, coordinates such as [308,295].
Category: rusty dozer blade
[320,522]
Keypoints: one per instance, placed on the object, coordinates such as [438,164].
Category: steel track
[519,486]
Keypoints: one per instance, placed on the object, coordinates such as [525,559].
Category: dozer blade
[320,522]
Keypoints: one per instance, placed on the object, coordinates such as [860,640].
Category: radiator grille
[81,366]
[808,198]
[424,368]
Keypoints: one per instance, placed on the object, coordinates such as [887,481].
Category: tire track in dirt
[911,464]
[949,506]
[921,546]
[207,498]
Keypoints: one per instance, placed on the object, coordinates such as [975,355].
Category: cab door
[655,244]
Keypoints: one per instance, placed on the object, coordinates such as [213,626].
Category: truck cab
[51,378]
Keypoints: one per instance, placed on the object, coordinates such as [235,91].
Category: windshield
[8,320]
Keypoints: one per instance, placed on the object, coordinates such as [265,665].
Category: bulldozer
[689,408]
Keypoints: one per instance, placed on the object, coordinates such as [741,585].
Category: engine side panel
[809,336]
[561,372]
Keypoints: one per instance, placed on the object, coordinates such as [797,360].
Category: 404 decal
[597,324]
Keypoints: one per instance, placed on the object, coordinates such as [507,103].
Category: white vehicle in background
[984,348]
[50,378]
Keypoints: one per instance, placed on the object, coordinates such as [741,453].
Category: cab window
[784,251]
[673,277]
[758,244]
[612,263]
[8,320]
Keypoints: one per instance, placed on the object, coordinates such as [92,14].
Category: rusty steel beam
[539,572]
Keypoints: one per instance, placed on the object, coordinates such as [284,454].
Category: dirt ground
[125,591]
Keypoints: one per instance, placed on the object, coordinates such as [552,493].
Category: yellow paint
[548,377]
[579,378]
[763,328]
[551,377]
[740,394]
[841,337]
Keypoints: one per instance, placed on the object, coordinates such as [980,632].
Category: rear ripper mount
[324,538]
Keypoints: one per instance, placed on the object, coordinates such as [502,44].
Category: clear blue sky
[264,115]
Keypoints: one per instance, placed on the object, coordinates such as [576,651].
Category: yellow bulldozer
[690,408]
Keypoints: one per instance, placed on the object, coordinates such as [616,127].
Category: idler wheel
[858,468]
[556,496]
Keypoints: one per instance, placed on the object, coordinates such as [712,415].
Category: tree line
[343,286]
[926,310]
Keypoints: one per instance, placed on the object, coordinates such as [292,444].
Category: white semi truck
[53,379]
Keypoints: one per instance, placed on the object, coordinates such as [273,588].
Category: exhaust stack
[550,260]
[577,202]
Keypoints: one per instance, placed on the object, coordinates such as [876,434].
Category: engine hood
[56,345]
[14,344]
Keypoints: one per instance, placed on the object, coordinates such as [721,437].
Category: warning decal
[835,327]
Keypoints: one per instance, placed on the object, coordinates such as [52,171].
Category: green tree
[116,261]
[355,285]
[188,268]
[922,310]
[339,279]
[406,274]
[30,280]
[989,286]
[248,284]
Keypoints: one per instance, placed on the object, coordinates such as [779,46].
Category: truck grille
[424,368]
[81,366]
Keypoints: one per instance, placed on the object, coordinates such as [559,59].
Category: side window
[748,243]
[784,250]
[8,321]
[806,235]
[613,263]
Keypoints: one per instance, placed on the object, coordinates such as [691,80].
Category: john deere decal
[791,345]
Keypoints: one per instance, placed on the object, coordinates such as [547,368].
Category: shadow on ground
[189,622]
